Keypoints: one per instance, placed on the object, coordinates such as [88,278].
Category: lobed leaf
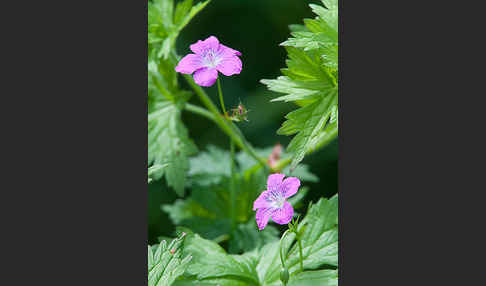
[169,143]
[329,13]
[310,80]
[165,263]
[309,121]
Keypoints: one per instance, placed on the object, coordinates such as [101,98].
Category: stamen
[211,58]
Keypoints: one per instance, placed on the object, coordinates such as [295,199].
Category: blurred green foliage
[256,28]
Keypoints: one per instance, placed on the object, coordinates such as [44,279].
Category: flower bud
[239,114]
[275,155]
[284,275]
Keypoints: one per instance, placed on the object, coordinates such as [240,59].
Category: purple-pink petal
[283,215]
[234,52]
[274,181]
[261,201]
[205,76]
[230,65]
[289,187]
[262,217]
[201,46]
[189,64]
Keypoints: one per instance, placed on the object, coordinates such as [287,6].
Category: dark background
[255,28]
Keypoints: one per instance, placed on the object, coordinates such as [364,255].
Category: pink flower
[210,57]
[272,203]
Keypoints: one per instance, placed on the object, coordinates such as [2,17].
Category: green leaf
[311,278]
[211,265]
[169,143]
[311,81]
[295,90]
[205,211]
[165,262]
[309,121]
[165,24]
[166,8]
[297,28]
[154,169]
[210,167]
[328,134]
[302,172]
[330,57]
[247,237]
[182,17]
[319,237]
[212,282]
[160,27]
[162,81]
[211,261]
[319,241]
[328,14]
[181,11]
[247,162]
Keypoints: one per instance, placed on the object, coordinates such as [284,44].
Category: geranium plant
[233,203]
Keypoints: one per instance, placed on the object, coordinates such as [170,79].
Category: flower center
[211,59]
[280,202]
[277,199]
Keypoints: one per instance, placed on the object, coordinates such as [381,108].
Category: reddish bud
[275,155]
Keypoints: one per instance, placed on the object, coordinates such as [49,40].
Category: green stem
[300,253]
[232,186]
[226,126]
[282,260]
[221,238]
[232,165]
[221,101]
[200,111]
